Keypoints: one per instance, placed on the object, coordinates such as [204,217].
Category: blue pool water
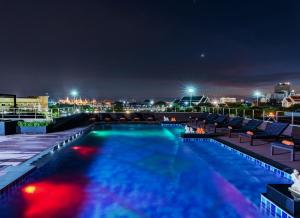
[141,171]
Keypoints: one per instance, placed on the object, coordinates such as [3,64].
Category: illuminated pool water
[141,171]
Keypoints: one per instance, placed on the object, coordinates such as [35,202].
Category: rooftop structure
[195,100]
[281,91]
[283,87]
[290,101]
[77,101]
[32,102]
[224,100]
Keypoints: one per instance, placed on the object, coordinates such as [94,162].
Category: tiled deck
[15,149]
[263,148]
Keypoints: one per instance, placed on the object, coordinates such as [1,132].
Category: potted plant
[32,127]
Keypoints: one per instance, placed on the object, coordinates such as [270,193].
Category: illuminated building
[281,91]
[33,102]
[77,101]
[290,101]
[224,100]
[195,100]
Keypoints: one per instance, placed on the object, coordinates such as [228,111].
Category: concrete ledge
[195,135]
[14,174]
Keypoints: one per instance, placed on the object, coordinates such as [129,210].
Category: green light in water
[135,133]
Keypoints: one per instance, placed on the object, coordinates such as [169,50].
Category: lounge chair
[236,123]
[137,117]
[251,125]
[122,118]
[107,118]
[292,146]
[202,116]
[150,118]
[272,131]
[210,119]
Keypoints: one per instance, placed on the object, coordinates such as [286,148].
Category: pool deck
[261,148]
[16,149]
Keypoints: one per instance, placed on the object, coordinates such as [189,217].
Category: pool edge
[16,174]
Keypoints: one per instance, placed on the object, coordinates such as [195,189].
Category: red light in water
[29,189]
[76,148]
[53,199]
[85,150]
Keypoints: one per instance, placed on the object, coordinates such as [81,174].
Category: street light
[257,94]
[191,91]
[74,94]
[215,102]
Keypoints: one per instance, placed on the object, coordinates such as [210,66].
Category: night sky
[148,48]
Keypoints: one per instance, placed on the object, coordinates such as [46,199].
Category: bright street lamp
[257,94]
[74,94]
[191,91]
[215,102]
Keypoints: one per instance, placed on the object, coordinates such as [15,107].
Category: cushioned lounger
[210,118]
[234,123]
[272,131]
[291,148]
[251,125]
[220,121]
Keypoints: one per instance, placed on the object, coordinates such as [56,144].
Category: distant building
[195,100]
[291,101]
[225,100]
[284,88]
[78,101]
[35,102]
[281,91]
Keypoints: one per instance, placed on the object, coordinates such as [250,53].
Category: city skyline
[136,48]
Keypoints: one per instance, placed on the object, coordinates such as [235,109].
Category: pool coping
[128,122]
[259,157]
[16,174]
[238,149]
[279,169]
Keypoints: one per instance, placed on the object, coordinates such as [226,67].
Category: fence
[25,113]
[266,115]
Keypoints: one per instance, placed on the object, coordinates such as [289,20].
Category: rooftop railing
[25,113]
[261,114]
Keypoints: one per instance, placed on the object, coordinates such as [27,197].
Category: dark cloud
[147,48]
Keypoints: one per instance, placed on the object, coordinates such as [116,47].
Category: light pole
[186,104]
[151,104]
[257,94]
[191,91]
[74,94]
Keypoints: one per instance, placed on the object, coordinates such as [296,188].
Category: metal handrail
[50,114]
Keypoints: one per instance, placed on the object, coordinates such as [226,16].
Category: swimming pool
[141,171]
